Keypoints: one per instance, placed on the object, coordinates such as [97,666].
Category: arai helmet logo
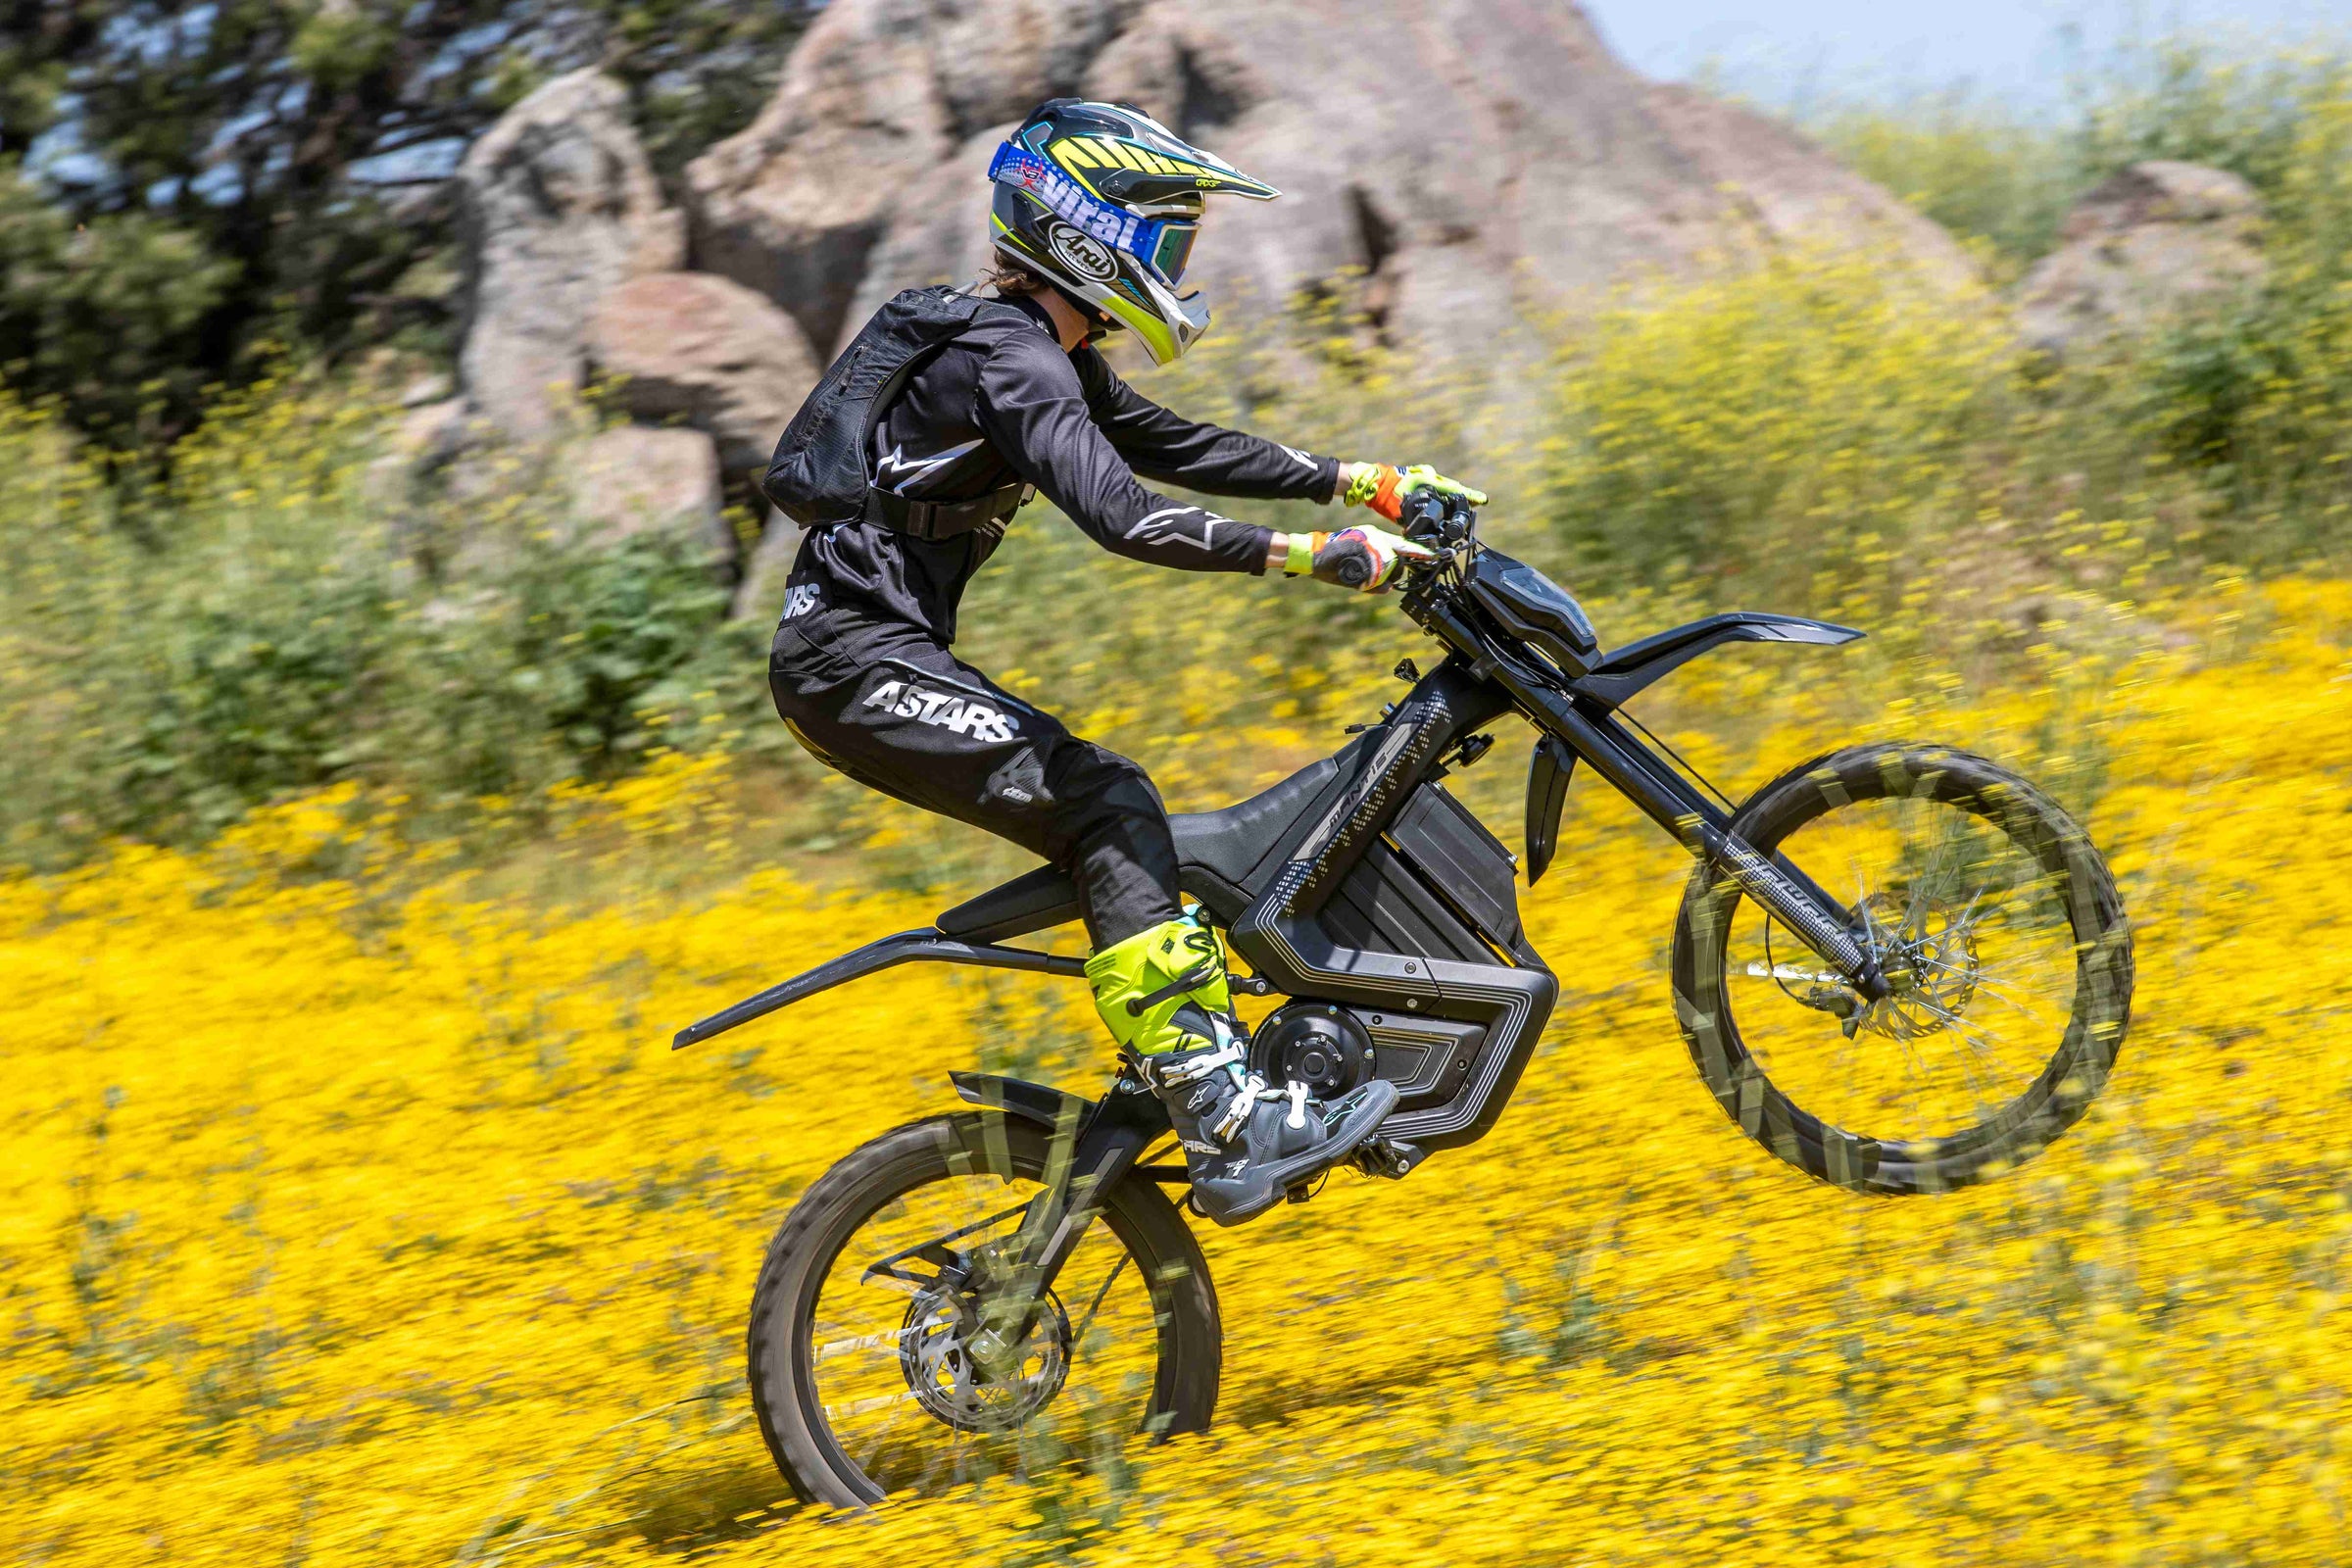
[1081,253]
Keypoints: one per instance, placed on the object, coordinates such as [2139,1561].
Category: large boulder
[704,350]
[632,481]
[558,208]
[1513,165]
[876,95]
[2147,242]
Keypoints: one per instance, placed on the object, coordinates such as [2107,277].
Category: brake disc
[1931,966]
[950,1383]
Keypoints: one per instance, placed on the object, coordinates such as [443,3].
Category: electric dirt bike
[1899,967]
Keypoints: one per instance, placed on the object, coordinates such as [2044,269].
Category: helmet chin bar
[1195,310]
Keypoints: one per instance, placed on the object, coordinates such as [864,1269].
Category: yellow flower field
[352,1214]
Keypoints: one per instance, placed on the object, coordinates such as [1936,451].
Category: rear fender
[1636,665]
[1049,1108]
[929,945]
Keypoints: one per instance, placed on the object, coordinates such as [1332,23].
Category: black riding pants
[895,711]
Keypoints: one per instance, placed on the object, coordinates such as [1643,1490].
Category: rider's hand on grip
[1386,489]
[1364,558]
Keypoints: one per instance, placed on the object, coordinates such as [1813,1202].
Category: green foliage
[107,316]
[1768,426]
[1977,167]
[2189,100]
[601,639]
[1992,174]
[248,697]
[272,637]
[2250,394]
[1821,435]
[698,69]
[1789,419]
[281,166]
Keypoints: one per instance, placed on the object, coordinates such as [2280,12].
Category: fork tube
[1644,778]
[1775,882]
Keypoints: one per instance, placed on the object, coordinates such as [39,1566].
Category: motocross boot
[1165,997]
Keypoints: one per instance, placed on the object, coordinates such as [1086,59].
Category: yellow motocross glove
[1366,558]
[1386,489]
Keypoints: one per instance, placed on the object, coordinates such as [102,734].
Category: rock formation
[559,207]
[1490,157]
[632,481]
[2149,241]
[699,348]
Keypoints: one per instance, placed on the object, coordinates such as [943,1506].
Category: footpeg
[1390,1157]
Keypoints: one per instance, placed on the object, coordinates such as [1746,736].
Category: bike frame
[1483,676]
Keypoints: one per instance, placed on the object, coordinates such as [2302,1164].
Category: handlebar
[1442,522]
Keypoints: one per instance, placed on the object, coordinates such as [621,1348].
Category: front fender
[1616,678]
[1547,778]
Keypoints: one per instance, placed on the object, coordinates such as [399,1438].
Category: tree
[107,316]
[302,148]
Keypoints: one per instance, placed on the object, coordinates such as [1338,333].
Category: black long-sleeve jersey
[1004,404]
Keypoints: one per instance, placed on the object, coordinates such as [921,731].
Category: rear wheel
[2004,943]
[860,1368]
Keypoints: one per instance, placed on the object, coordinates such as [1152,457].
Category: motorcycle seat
[1223,859]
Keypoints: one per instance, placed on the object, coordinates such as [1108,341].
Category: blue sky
[1784,52]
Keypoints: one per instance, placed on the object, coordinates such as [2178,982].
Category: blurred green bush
[170,659]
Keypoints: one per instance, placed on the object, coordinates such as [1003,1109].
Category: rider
[1096,208]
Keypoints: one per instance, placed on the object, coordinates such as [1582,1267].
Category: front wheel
[860,1369]
[2004,940]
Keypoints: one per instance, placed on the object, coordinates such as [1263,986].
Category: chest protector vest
[823,476]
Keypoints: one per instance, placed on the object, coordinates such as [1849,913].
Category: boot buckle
[1196,1067]
[1237,1110]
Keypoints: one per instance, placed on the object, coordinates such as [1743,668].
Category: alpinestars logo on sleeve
[946,709]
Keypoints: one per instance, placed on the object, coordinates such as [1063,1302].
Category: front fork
[1777,884]
[1792,896]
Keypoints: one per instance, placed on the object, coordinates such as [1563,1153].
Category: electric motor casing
[1318,1044]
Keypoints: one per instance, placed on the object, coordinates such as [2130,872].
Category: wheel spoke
[1078,1334]
[836,1413]
[902,1406]
[890,1338]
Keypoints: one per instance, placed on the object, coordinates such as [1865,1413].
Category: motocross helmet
[1102,202]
